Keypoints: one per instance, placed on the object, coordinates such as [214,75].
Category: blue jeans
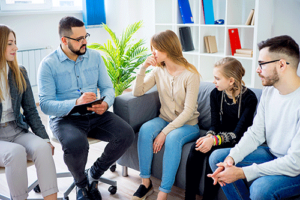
[265,187]
[173,148]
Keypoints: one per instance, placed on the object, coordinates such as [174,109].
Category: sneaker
[142,192]
[82,194]
[93,192]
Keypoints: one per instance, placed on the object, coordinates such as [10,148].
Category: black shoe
[94,193]
[82,194]
[143,192]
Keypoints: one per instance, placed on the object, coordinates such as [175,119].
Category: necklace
[230,104]
[239,111]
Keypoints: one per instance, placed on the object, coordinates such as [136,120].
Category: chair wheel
[112,189]
[113,168]
[66,198]
[37,189]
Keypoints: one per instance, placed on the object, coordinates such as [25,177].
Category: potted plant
[122,56]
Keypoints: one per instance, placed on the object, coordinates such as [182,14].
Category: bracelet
[210,132]
[213,137]
[220,139]
[216,140]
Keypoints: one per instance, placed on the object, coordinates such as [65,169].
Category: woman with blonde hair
[232,111]
[17,143]
[177,84]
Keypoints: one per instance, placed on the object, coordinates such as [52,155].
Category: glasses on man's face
[263,63]
[80,39]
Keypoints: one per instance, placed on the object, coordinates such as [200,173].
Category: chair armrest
[137,110]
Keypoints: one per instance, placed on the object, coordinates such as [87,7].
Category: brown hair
[231,67]
[285,45]
[66,23]
[168,42]
[13,65]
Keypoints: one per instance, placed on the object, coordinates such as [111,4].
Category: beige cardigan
[177,94]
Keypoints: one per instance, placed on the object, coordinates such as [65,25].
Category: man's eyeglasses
[263,63]
[86,37]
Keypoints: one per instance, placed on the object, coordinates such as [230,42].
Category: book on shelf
[234,39]
[186,40]
[203,12]
[252,21]
[244,52]
[208,11]
[185,10]
[210,44]
[242,55]
[250,16]
[206,44]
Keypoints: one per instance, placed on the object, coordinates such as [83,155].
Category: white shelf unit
[235,13]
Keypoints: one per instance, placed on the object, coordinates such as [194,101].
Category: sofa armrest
[137,110]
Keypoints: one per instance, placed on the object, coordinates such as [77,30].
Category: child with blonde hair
[232,111]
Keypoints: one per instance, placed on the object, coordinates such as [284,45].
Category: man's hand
[227,173]
[86,97]
[52,148]
[159,142]
[99,108]
[204,144]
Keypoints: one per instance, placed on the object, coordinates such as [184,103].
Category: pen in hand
[81,93]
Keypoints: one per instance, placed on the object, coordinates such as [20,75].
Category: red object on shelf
[234,39]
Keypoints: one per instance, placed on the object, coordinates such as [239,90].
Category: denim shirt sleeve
[47,93]
[105,85]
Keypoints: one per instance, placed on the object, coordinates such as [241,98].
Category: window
[40,4]
[67,3]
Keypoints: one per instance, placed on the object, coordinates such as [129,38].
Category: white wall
[41,30]
[277,17]
[288,9]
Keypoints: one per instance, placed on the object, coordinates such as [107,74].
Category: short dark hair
[283,44]
[66,24]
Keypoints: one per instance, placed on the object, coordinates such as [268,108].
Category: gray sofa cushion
[204,104]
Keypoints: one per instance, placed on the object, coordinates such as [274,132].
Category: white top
[278,123]
[7,110]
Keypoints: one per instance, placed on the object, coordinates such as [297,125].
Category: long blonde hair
[13,65]
[231,67]
[168,42]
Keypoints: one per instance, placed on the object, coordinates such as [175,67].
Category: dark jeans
[194,169]
[72,133]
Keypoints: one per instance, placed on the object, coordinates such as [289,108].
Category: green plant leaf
[122,56]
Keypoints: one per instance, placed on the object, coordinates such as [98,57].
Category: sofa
[138,110]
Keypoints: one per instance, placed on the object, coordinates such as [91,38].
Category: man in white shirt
[274,169]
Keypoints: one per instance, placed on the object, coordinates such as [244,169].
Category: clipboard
[82,108]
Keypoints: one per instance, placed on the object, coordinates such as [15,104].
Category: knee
[261,190]
[193,152]
[145,133]
[217,156]
[75,145]
[42,150]
[17,155]
[172,143]
[128,136]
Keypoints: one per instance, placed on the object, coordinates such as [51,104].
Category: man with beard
[274,169]
[70,76]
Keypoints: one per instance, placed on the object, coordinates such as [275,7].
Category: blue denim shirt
[61,79]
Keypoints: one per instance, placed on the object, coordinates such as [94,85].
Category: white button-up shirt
[7,110]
